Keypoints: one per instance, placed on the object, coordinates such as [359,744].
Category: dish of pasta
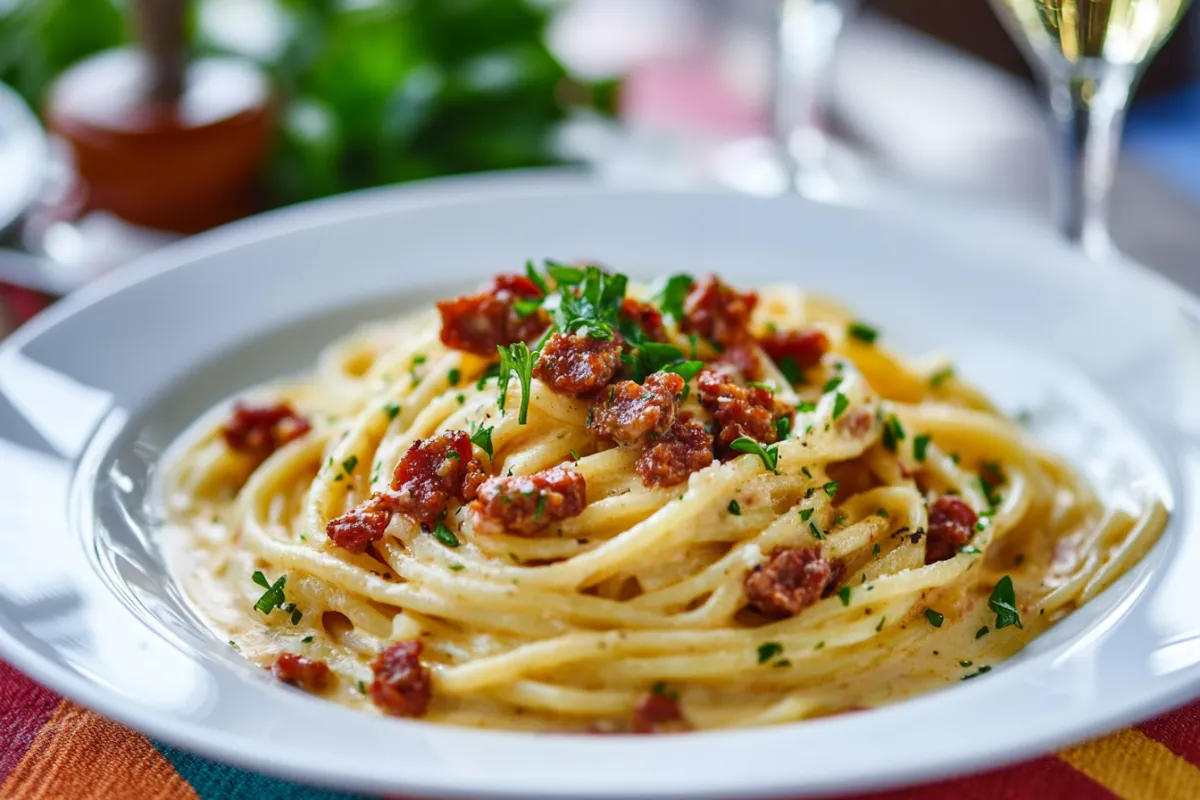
[563,502]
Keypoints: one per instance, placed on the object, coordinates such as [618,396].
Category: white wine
[1123,32]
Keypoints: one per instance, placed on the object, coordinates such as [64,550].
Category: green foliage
[371,92]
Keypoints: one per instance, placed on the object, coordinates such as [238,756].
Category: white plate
[90,393]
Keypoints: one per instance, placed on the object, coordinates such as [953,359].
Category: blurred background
[126,123]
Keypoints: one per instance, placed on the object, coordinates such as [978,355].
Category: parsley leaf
[670,294]
[844,594]
[893,433]
[941,376]
[537,279]
[454,376]
[445,535]
[805,514]
[482,439]
[685,369]
[768,650]
[982,632]
[273,597]
[783,426]
[517,359]
[349,464]
[563,274]
[392,410]
[830,488]
[832,384]
[862,332]
[734,508]
[815,531]
[595,309]
[840,404]
[791,370]
[935,619]
[920,445]
[1004,602]
[768,453]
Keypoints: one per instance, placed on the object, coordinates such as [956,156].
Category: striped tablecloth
[51,749]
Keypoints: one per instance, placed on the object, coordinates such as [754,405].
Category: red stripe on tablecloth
[1035,780]
[24,709]
[1178,731]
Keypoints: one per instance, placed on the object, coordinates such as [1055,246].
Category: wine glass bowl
[1090,55]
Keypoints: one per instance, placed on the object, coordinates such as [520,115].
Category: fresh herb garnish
[362,688]
[881,512]
[541,506]
[806,514]
[516,359]
[970,549]
[349,464]
[482,439]
[768,453]
[815,531]
[882,620]
[791,370]
[537,279]
[457,567]
[806,407]
[783,426]
[669,295]
[935,619]
[768,650]
[982,632]
[982,670]
[445,535]
[893,433]
[830,488]
[840,404]
[392,410]
[989,492]
[734,508]
[563,274]
[941,376]
[862,332]
[920,445]
[875,551]
[273,597]
[844,594]
[685,369]
[596,309]
[1004,602]
[768,387]
[454,376]
[832,384]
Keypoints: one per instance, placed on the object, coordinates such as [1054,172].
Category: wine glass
[795,158]
[1090,55]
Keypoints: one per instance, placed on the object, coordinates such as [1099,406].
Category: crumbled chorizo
[951,525]
[261,430]
[740,359]
[792,580]
[630,413]
[718,312]
[432,472]
[308,674]
[740,410]
[524,504]
[578,365]
[686,448]
[401,687]
[803,349]
[659,712]
[363,524]
[646,317]
[480,322]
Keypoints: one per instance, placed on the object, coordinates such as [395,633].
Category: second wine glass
[1090,55]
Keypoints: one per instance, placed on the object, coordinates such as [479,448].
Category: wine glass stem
[1089,112]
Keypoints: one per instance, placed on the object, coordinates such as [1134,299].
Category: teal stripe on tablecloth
[214,781]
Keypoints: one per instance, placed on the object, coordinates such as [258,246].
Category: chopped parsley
[734,508]
[819,645]
[457,567]
[862,332]
[893,433]
[805,472]
[982,632]
[879,627]
[362,688]
[783,426]
[234,645]
[273,597]
[832,384]
[349,464]
[445,535]
[669,295]
[537,279]
[816,532]
[970,549]
[805,514]
[1004,602]
[482,439]
[982,671]
[454,376]
[941,376]
[517,359]
[685,369]
[791,370]
[392,410]
[768,650]
[595,310]
[844,594]
[920,445]
[989,492]
[307,639]
[806,407]
[541,506]
[881,512]
[768,453]
[830,488]
[966,662]
[840,404]
[935,619]
[875,551]
[563,274]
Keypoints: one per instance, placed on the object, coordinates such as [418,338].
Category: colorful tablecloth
[51,749]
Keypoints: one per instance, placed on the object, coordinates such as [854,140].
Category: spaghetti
[553,506]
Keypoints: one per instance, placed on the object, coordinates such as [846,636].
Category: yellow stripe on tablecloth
[1133,766]
[78,755]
